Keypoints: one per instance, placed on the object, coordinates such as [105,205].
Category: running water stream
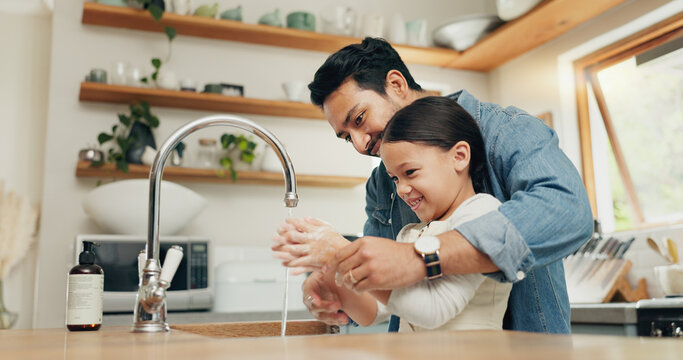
[283,327]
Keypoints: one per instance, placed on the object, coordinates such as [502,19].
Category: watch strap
[433,265]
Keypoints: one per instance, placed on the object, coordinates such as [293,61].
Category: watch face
[427,244]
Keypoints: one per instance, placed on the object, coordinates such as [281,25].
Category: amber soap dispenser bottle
[84,292]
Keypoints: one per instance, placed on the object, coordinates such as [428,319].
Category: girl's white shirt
[451,302]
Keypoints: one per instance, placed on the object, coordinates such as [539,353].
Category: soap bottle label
[85,293]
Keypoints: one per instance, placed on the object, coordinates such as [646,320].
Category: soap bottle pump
[84,292]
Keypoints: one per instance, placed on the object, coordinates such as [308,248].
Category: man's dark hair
[367,63]
[442,122]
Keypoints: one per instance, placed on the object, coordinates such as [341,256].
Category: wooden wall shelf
[198,101]
[546,21]
[83,169]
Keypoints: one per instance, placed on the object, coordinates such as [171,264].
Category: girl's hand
[307,244]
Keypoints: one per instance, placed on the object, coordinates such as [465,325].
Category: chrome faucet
[150,307]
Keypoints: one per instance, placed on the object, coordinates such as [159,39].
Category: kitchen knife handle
[624,248]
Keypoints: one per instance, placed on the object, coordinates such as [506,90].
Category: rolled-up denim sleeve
[371,227]
[546,215]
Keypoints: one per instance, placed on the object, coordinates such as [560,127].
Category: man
[545,213]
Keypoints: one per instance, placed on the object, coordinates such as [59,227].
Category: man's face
[360,115]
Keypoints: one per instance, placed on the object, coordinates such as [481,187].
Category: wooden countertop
[118,343]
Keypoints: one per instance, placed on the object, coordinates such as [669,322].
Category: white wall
[235,215]
[24,66]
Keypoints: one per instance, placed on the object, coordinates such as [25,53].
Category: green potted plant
[130,136]
[239,149]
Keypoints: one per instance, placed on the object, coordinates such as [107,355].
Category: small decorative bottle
[84,292]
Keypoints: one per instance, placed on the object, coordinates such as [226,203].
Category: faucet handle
[142,260]
[173,257]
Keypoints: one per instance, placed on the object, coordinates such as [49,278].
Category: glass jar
[207,155]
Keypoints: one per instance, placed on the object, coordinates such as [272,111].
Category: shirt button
[520,275]
[389,221]
[392,196]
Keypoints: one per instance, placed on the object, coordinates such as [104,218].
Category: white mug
[134,76]
[167,80]
[416,32]
[182,7]
[372,25]
[397,30]
[339,20]
[148,155]
[119,74]
[294,89]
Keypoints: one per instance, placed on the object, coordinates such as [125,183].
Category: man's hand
[322,300]
[307,244]
[372,263]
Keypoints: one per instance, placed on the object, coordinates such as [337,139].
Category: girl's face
[431,180]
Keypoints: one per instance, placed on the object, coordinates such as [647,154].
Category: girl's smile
[433,181]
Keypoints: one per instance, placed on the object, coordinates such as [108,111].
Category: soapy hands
[307,244]
[322,300]
[373,263]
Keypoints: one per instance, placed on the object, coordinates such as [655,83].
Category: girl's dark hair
[367,63]
[440,121]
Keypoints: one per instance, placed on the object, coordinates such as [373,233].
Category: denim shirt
[545,213]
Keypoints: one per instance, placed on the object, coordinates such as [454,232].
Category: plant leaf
[145,106]
[144,80]
[96,163]
[156,11]
[233,174]
[123,144]
[113,129]
[155,75]
[153,121]
[226,163]
[156,62]
[122,165]
[125,120]
[247,156]
[104,137]
[170,32]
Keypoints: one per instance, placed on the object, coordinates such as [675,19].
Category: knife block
[621,290]
[607,284]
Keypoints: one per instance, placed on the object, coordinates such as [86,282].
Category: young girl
[434,152]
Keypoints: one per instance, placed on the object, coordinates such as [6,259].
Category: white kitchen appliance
[249,279]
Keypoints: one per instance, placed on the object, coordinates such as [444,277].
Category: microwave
[118,256]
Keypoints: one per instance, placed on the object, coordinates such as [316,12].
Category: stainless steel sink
[258,328]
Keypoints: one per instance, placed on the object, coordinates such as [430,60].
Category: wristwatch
[428,248]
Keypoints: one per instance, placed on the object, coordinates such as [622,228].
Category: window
[630,105]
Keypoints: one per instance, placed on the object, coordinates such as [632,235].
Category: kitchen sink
[258,328]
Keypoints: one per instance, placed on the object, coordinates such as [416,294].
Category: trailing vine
[157,13]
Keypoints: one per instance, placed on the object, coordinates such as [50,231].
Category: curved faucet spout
[150,315]
[156,171]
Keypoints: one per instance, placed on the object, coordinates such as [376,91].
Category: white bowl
[670,278]
[512,9]
[463,32]
[122,207]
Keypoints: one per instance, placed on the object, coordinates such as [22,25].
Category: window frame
[585,74]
